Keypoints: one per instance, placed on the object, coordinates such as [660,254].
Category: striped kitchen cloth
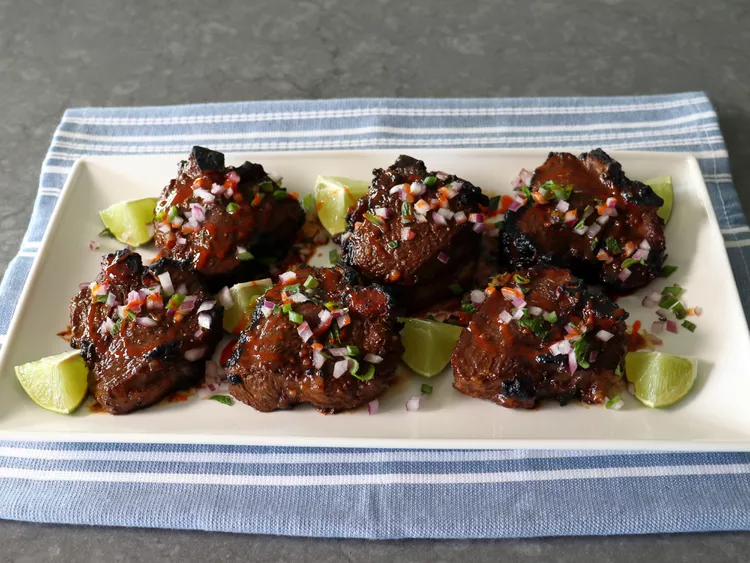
[366,492]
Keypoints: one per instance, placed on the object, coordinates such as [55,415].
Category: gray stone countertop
[55,55]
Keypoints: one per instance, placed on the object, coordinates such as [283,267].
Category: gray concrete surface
[55,55]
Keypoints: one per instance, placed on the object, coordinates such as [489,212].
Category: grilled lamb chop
[226,222]
[303,331]
[585,214]
[412,232]
[140,339]
[540,333]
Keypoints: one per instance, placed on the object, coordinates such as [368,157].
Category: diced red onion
[593,230]
[298,297]
[569,329]
[505,317]
[455,186]
[560,348]
[417,188]
[439,219]
[204,320]
[287,277]
[698,311]
[604,335]
[187,305]
[413,404]
[225,298]
[593,355]
[651,300]
[194,354]
[572,362]
[216,189]
[396,189]
[206,306]
[640,254]
[447,213]
[661,313]
[343,321]
[229,193]
[542,191]
[536,311]
[164,228]
[318,359]
[181,240]
[182,289]
[337,313]
[304,331]
[579,230]
[477,296]
[518,302]
[233,176]
[478,227]
[562,206]
[340,368]
[602,219]
[93,245]
[205,195]
[611,202]
[166,283]
[459,217]
[421,207]
[610,212]
[476,218]
[443,257]
[338,352]
[194,224]
[373,358]
[111,299]
[267,308]
[672,326]
[523,178]
[382,212]
[373,406]
[405,233]
[133,296]
[177,221]
[657,327]
[656,341]
[644,245]
[518,313]
[106,326]
[624,274]
[515,206]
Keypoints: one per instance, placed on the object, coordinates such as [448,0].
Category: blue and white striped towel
[382,493]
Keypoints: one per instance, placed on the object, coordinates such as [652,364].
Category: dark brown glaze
[412,269]
[273,368]
[538,233]
[264,218]
[509,364]
[134,366]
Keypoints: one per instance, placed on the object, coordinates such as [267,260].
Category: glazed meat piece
[540,333]
[316,337]
[584,214]
[227,222]
[413,232]
[143,331]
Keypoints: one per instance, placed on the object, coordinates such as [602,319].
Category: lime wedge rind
[428,345]
[131,221]
[55,383]
[334,196]
[660,380]
[663,187]
[244,296]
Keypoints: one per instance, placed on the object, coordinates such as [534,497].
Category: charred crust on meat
[206,159]
[251,172]
[165,351]
[520,387]
[234,380]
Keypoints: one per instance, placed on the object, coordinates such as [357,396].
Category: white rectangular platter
[713,417]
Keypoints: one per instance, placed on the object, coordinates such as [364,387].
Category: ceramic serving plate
[713,416]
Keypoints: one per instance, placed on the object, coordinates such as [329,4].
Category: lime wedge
[428,345]
[131,222]
[660,380]
[662,186]
[56,383]
[244,295]
[333,198]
